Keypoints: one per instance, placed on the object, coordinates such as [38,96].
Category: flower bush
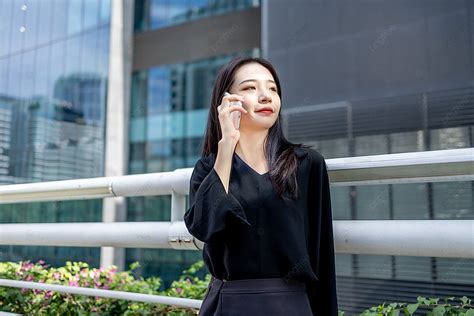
[26,301]
[434,307]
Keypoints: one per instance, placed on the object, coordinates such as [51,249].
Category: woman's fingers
[230,103]
[231,108]
[232,97]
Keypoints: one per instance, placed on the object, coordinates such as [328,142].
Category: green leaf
[439,311]
[134,265]
[420,299]
[446,299]
[411,308]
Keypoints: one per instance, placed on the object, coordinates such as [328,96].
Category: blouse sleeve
[322,292]
[210,206]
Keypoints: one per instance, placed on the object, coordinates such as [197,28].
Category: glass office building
[53,80]
[358,78]
[369,78]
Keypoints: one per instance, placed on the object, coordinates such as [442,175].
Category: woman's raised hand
[229,132]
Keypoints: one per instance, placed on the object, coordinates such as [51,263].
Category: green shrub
[26,301]
[465,308]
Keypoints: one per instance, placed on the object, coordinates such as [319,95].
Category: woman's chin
[255,126]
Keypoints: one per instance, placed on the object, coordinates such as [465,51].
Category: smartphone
[235,115]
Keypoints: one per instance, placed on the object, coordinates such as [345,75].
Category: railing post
[178,205]
[118,115]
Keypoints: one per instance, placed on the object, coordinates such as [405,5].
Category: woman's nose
[265,97]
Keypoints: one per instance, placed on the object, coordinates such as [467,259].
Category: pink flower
[41,262]
[106,287]
[178,290]
[27,266]
[29,278]
[57,275]
[24,291]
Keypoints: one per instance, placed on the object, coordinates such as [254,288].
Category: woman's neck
[251,145]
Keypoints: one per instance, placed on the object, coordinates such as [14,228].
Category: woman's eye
[273,88]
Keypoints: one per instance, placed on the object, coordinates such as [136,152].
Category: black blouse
[250,232]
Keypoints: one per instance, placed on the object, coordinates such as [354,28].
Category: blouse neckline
[249,167]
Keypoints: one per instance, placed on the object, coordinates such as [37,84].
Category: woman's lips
[265,112]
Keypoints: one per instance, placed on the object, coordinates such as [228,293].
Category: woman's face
[256,84]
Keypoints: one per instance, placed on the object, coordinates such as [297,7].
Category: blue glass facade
[53,83]
[154,14]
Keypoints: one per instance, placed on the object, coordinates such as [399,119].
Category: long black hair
[280,153]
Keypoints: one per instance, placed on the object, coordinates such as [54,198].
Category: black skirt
[271,296]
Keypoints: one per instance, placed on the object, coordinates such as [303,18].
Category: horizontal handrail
[427,166]
[422,238]
[160,235]
[419,238]
[412,167]
[137,297]
[150,184]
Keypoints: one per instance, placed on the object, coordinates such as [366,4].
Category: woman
[261,205]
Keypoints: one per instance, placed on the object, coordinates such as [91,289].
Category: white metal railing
[427,166]
[439,238]
[425,238]
[138,297]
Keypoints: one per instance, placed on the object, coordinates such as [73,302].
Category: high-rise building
[53,80]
